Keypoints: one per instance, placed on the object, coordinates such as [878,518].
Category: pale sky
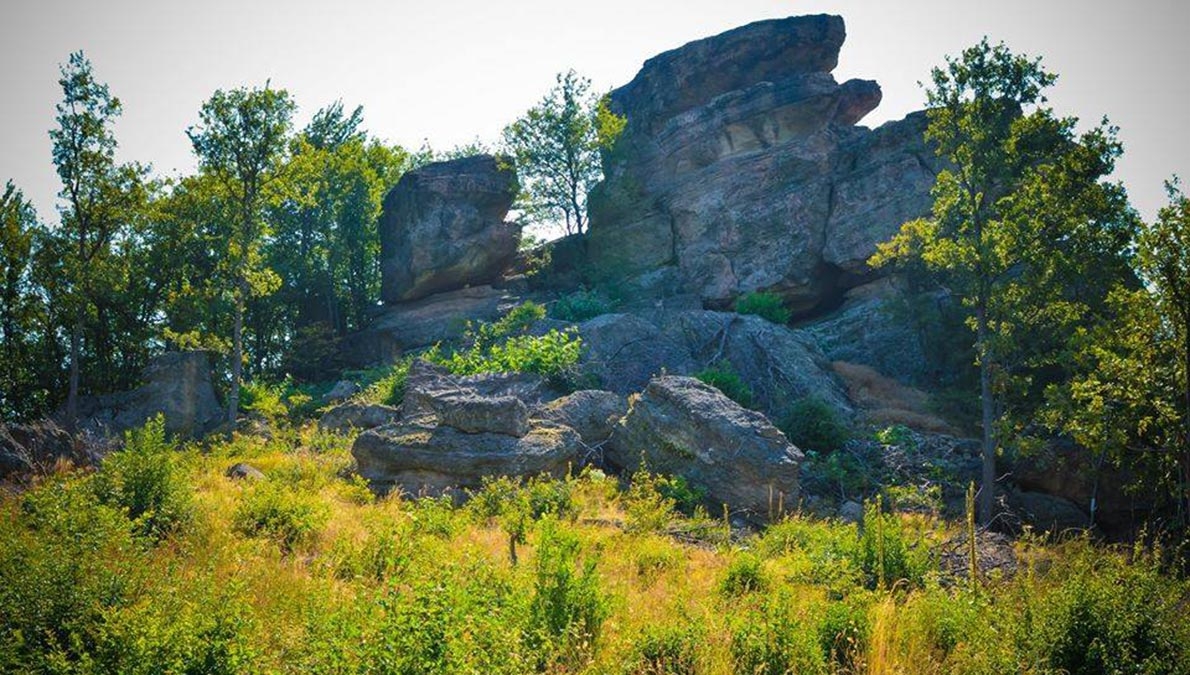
[449,71]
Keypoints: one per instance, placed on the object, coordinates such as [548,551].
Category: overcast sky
[448,71]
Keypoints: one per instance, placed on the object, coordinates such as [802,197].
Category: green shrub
[886,553]
[1111,616]
[723,377]
[843,632]
[654,556]
[773,641]
[288,517]
[813,424]
[579,306]
[385,385]
[278,401]
[145,480]
[898,435]
[667,650]
[66,561]
[745,574]
[647,505]
[551,355]
[768,306]
[567,610]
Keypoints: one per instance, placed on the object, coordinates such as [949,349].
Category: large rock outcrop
[177,386]
[443,228]
[779,364]
[740,169]
[456,431]
[682,427]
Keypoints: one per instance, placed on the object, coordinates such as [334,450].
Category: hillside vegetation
[159,562]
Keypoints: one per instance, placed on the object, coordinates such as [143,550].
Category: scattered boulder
[592,413]
[428,387]
[36,447]
[422,457]
[348,416]
[851,512]
[1048,513]
[443,228]
[740,169]
[343,390]
[177,386]
[683,427]
[242,471]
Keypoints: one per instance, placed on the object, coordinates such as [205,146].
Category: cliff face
[741,169]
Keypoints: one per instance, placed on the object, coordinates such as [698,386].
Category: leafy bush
[667,650]
[886,553]
[843,632]
[723,377]
[898,435]
[768,306]
[66,560]
[145,480]
[745,574]
[288,517]
[568,608]
[277,401]
[655,556]
[773,641]
[647,505]
[550,355]
[385,385]
[812,424]
[579,306]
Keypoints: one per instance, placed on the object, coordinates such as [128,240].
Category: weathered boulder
[423,457]
[779,364]
[740,169]
[1092,485]
[683,427]
[400,327]
[872,329]
[35,447]
[625,351]
[348,416]
[1048,513]
[443,227]
[343,390]
[427,386]
[177,386]
[242,471]
[592,413]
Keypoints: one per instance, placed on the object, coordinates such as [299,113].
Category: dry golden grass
[885,402]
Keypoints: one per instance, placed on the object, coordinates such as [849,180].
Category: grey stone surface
[682,427]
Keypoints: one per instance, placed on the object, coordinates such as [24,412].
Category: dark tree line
[265,256]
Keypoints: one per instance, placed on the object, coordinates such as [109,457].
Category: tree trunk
[237,356]
[72,397]
[988,483]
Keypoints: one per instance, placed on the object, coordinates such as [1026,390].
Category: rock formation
[740,169]
[443,228]
[177,386]
[456,431]
[682,427]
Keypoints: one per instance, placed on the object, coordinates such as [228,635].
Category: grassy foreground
[159,563]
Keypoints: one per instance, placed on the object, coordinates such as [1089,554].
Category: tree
[241,140]
[556,146]
[18,304]
[1023,229]
[98,193]
[1131,401]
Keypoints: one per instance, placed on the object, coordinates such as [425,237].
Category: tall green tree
[98,194]
[1131,401]
[1023,229]
[556,146]
[18,301]
[241,140]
